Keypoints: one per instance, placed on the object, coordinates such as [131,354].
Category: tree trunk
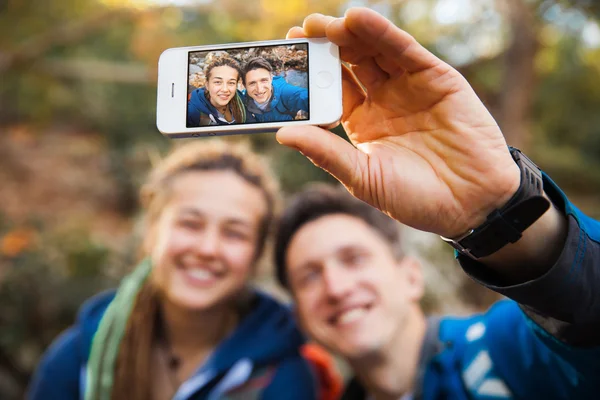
[519,78]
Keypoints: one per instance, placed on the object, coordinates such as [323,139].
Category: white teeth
[200,274]
[351,315]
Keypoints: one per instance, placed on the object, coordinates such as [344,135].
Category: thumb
[326,150]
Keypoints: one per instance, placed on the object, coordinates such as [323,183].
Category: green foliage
[45,279]
[567,119]
[569,99]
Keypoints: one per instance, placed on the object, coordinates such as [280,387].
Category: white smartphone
[248,87]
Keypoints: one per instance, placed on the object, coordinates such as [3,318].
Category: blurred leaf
[16,241]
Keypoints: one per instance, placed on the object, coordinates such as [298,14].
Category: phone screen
[248,85]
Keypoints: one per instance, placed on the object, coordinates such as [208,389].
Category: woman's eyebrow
[188,211]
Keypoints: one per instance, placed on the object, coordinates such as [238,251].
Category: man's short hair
[322,200]
[256,63]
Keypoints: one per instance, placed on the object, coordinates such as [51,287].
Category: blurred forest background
[77,129]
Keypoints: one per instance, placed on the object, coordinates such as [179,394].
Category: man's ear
[411,267]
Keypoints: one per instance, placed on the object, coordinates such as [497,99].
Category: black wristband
[506,225]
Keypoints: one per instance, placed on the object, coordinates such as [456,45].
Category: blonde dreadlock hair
[132,380]
[237,107]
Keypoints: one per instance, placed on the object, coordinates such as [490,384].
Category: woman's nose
[208,243]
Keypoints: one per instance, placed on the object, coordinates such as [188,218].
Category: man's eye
[354,259]
[309,277]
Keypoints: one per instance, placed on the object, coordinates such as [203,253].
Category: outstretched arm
[426,151]
[295,98]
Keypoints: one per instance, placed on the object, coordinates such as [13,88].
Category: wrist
[511,187]
[535,253]
[506,224]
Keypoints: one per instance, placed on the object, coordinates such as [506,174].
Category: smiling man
[270,98]
[357,294]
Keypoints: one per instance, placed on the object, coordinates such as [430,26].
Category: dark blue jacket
[199,106]
[545,345]
[286,101]
[260,360]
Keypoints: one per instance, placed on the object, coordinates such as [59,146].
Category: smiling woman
[219,102]
[186,324]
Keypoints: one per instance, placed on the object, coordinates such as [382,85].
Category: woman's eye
[190,224]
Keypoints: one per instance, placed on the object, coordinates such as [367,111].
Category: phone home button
[324,79]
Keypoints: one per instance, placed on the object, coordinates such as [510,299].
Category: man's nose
[338,282]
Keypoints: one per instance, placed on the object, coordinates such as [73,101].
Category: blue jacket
[545,345]
[199,106]
[286,101]
[260,360]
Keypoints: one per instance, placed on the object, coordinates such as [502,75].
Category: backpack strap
[432,346]
[441,377]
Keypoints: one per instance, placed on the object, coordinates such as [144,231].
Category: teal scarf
[106,343]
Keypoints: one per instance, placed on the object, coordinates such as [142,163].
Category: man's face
[259,85]
[352,294]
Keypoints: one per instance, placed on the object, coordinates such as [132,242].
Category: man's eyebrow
[355,247]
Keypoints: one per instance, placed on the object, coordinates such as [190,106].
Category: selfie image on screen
[248,85]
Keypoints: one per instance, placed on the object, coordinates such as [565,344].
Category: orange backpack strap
[330,382]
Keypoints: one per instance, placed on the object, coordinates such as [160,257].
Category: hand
[301,114]
[424,150]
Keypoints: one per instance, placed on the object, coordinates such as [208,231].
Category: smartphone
[248,87]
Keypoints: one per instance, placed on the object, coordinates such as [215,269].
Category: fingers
[338,33]
[369,70]
[371,34]
[370,74]
[295,32]
[387,39]
[326,150]
[353,94]
[315,24]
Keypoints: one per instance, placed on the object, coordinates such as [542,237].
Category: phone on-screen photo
[248,87]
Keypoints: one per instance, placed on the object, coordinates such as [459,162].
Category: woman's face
[222,84]
[204,241]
